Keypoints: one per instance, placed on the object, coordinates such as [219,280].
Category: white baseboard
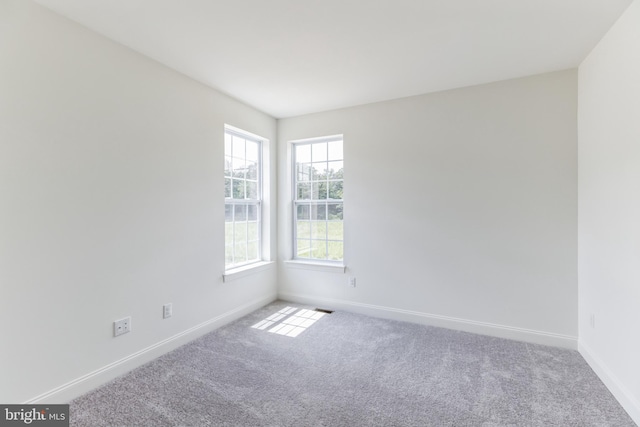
[86,383]
[501,331]
[615,386]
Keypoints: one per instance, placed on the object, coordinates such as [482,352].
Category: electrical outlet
[121,326]
[167,311]
[352,281]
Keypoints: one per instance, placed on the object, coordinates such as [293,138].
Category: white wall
[460,209]
[111,204]
[609,209]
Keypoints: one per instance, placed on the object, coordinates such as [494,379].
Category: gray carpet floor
[346,369]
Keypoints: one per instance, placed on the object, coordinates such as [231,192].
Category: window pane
[319,190]
[228,233]
[252,251]
[304,171]
[227,188]
[241,213]
[335,150]
[303,153]
[319,152]
[303,229]
[319,171]
[240,252]
[303,212]
[228,213]
[238,164]
[319,249]
[240,232]
[227,165]
[238,147]
[252,170]
[227,144]
[335,211]
[252,190]
[252,151]
[318,230]
[252,214]
[304,248]
[335,190]
[304,191]
[336,251]
[238,189]
[252,230]
[228,254]
[318,211]
[335,170]
[335,230]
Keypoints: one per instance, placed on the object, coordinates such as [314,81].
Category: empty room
[320,213]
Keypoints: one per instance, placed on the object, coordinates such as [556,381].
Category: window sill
[246,270]
[316,266]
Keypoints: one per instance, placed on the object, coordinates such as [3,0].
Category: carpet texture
[352,370]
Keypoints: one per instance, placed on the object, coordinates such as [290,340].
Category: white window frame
[296,202]
[256,202]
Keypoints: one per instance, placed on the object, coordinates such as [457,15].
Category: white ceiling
[292,57]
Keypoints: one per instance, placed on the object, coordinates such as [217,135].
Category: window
[317,202]
[243,198]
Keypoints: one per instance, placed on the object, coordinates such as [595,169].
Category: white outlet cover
[122,326]
[167,311]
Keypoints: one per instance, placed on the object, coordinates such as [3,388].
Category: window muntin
[243,198]
[318,202]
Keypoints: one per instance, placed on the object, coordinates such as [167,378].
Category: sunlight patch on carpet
[291,325]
